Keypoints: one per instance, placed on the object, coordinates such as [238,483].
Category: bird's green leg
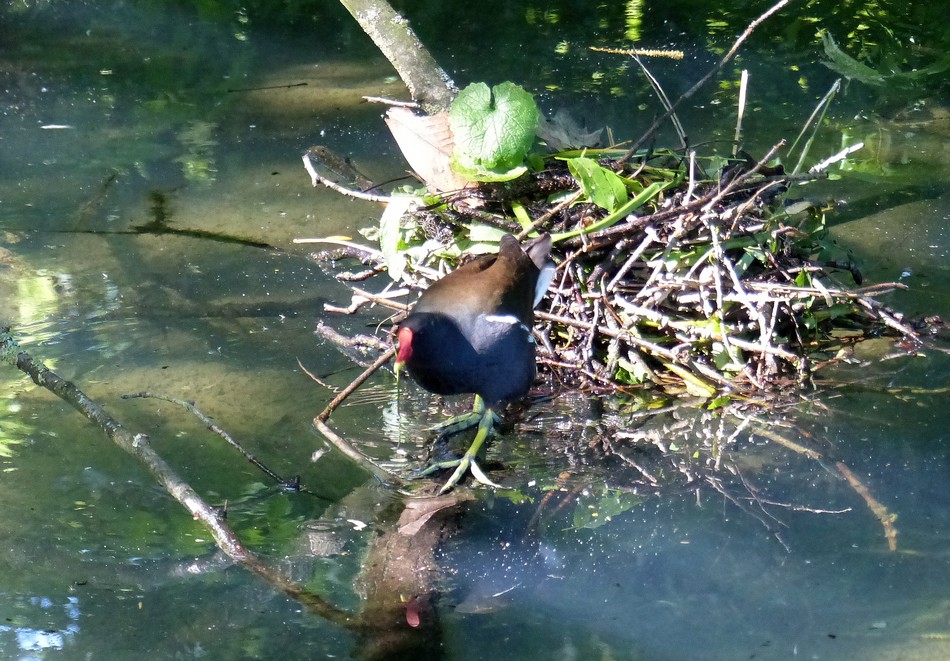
[462,422]
[486,421]
[467,461]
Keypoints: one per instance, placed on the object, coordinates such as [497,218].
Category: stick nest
[712,287]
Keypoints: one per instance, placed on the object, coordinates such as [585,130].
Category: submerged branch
[880,511]
[400,563]
[138,445]
[292,485]
[341,444]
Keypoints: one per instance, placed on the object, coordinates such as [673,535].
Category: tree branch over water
[426,80]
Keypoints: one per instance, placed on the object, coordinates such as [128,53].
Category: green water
[116,115]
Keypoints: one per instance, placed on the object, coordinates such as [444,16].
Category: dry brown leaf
[426,143]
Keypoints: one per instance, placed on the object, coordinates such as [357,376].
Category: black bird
[470,332]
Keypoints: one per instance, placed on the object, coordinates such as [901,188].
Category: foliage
[601,186]
[595,510]
[493,130]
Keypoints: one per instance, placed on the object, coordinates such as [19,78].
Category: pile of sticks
[710,290]
[715,291]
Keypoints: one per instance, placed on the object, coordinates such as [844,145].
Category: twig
[293,485]
[665,101]
[138,446]
[396,103]
[385,300]
[357,382]
[741,179]
[361,459]
[821,108]
[805,508]
[716,484]
[640,468]
[553,211]
[840,156]
[740,113]
[358,343]
[339,442]
[880,511]
[362,297]
[881,313]
[317,178]
[788,443]
[649,239]
[623,335]
[371,253]
[702,81]
[688,195]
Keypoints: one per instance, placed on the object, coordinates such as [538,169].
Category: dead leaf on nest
[426,143]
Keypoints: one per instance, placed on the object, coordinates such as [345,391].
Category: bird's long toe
[457,424]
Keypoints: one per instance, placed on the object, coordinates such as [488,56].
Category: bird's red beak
[404,349]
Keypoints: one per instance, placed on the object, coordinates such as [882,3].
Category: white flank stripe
[507,319]
[502,318]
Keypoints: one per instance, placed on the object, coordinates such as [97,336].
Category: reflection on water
[680,538]
[795,564]
[47,634]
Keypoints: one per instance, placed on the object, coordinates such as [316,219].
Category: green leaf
[847,66]
[719,402]
[478,173]
[746,260]
[493,130]
[604,187]
[633,373]
[390,235]
[612,218]
[482,233]
[833,312]
[592,512]
[695,385]
[521,215]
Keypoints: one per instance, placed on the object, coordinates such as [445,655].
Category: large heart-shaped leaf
[493,129]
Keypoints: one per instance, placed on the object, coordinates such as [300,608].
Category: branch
[291,485]
[340,443]
[317,178]
[877,508]
[426,80]
[139,447]
[702,81]
[880,511]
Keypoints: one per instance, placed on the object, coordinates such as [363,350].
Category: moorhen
[470,332]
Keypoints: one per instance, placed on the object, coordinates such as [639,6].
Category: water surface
[114,120]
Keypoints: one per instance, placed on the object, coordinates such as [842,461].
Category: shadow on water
[154,188]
